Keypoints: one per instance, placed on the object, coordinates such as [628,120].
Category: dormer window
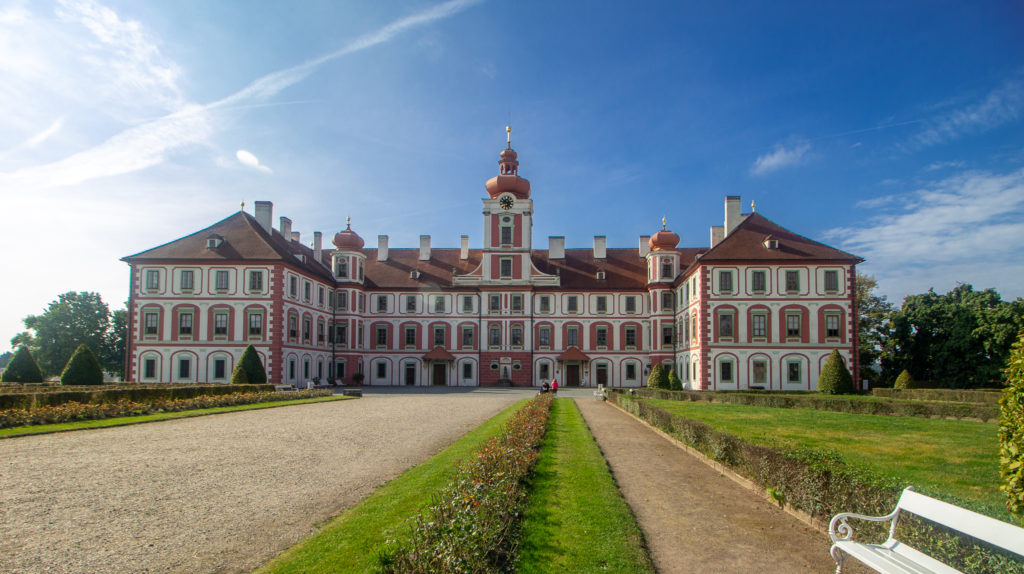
[771,243]
[600,275]
[214,241]
[414,274]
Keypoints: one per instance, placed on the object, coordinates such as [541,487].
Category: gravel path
[221,493]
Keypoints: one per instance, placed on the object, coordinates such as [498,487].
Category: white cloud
[779,158]
[250,160]
[1002,105]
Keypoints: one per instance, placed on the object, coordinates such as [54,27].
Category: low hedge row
[957,395]
[858,404]
[56,395]
[73,411]
[822,485]
[474,525]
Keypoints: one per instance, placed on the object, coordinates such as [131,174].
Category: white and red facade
[761,307]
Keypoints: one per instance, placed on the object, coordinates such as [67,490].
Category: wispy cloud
[780,158]
[250,160]
[1002,105]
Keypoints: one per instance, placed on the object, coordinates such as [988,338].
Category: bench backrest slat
[997,532]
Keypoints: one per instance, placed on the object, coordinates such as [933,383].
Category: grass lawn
[955,458]
[577,521]
[349,543]
[122,421]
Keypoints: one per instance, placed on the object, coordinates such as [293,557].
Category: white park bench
[895,556]
[283,388]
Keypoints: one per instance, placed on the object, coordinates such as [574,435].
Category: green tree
[654,380]
[114,343]
[673,381]
[73,319]
[22,368]
[874,312]
[957,340]
[905,381]
[1011,431]
[835,378]
[82,369]
[5,358]
[249,368]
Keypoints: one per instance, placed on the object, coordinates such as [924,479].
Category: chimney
[424,248]
[732,213]
[717,234]
[645,245]
[318,246]
[382,248]
[600,246]
[265,214]
[296,236]
[286,228]
[556,247]
[464,250]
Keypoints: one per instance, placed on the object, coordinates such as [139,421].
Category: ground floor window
[184,369]
[382,370]
[219,368]
[602,374]
[793,372]
[340,369]
[149,369]
[725,372]
[545,371]
[630,371]
[467,370]
[291,369]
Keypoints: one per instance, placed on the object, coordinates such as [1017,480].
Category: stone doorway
[440,372]
[572,375]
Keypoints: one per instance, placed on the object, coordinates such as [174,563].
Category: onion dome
[508,180]
[663,240]
[348,240]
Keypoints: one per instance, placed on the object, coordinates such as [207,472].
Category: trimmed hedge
[22,368]
[956,395]
[82,368]
[114,393]
[859,404]
[1011,431]
[821,484]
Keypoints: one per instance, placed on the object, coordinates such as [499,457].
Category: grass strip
[957,458]
[577,520]
[155,417]
[350,542]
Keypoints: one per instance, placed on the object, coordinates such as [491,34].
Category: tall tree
[874,312]
[114,343]
[73,319]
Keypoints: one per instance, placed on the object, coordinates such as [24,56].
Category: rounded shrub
[82,368]
[905,381]
[253,367]
[835,378]
[1011,431]
[22,368]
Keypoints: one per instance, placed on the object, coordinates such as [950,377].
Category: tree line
[960,339]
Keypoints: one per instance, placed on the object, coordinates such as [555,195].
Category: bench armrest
[840,529]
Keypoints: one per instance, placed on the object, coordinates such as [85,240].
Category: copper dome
[348,240]
[663,240]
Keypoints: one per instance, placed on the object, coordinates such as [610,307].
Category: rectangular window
[187,278]
[382,336]
[725,281]
[494,303]
[255,281]
[359,335]
[467,337]
[152,279]
[832,326]
[410,303]
[725,325]
[222,280]
[439,304]
[382,303]
[517,303]
[506,267]
[467,304]
[341,269]
[545,304]
[516,335]
[185,324]
[467,370]
[760,372]
[630,371]
[220,324]
[630,336]
[152,323]
[572,337]
[602,336]
[544,336]
[307,328]
[759,325]
[410,336]
[792,324]
[666,334]
[293,287]
[506,235]
[494,336]
[219,368]
[341,334]
[184,369]
[339,370]
[307,291]
[342,300]
[545,371]
[666,268]
[686,328]
[725,371]
[571,304]
[320,296]
[439,336]
[320,332]
[831,281]
[631,304]
[666,301]
[757,281]
[602,304]
[293,327]
[382,370]
[149,369]
[792,281]
[359,266]
[793,371]
[255,325]
[362,302]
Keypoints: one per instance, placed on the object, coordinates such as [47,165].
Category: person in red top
[554,386]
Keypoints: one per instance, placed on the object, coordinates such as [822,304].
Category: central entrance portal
[572,375]
[440,374]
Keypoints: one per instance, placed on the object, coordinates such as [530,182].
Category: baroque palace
[761,307]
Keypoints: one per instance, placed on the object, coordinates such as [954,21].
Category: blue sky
[891,130]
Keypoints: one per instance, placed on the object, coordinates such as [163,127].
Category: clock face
[506,202]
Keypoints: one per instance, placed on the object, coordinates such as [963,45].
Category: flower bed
[74,411]
[474,524]
[32,396]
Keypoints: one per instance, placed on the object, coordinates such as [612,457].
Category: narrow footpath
[694,518]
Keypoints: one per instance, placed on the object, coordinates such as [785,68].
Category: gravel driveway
[220,493]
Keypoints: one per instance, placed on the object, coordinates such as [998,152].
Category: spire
[348,223]
[663,222]
[243,205]
[753,208]
[508,132]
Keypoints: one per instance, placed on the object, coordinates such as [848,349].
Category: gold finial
[753,208]
[243,205]
[508,133]
[348,222]
[663,222]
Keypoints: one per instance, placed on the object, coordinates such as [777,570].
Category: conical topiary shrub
[835,378]
[674,383]
[22,368]
[905,381]
[654,380]
[238,376]
[253,367]
[82,368]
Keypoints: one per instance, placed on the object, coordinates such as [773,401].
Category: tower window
[506,267]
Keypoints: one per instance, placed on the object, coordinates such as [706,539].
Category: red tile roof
[746,242]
